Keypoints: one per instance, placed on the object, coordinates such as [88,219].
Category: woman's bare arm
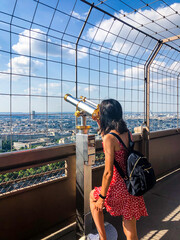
[109,161]
[108,170]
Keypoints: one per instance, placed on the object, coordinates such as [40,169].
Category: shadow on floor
[163,205]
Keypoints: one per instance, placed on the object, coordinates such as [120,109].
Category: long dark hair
[111,117]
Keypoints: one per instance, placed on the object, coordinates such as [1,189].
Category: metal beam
[170,39]
[147,78]
[127,24]
[116,18]
[83,170]
[76,59]
[178,100]
[147,96]
[80,34]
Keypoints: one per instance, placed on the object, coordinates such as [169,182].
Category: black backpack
[139,177]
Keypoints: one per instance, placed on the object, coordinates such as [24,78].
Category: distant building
[19,145]
[22,136]
[29,143]
[0,144]
[33,115]
[67,140]
[138,129]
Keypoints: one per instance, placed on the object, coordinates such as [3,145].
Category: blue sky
[131,48]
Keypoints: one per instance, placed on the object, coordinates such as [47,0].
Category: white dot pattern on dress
[118,200]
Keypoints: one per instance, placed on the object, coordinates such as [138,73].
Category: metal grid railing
[164,90]
[26,178]
[97,50]
[99,161]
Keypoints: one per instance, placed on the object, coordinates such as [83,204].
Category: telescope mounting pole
[85,158]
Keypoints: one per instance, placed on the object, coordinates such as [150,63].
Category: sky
[38,57]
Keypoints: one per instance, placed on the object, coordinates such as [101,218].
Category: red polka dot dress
[118,200]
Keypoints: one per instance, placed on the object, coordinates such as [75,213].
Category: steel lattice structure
[87,48]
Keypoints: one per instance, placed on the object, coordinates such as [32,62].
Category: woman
[113,193]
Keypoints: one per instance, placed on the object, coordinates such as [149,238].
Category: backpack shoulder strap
[131,143]
[116,164]
[119,139]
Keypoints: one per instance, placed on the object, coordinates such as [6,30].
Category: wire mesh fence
[99,160]
[164,90]
[26,178]
[98,50]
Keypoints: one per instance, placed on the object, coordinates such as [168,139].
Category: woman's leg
[98,217]
[130,230]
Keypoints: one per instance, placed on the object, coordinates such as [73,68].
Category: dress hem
[137,218]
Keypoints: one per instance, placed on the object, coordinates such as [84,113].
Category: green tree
[6,146]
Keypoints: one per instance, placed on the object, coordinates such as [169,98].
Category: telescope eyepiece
[66,96]
[84,105]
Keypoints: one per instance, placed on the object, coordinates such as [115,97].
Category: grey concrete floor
[163,204]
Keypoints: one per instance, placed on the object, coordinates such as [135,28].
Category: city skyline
[21,132]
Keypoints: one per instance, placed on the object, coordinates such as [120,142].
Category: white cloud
[53,88]
[100,31]
[157,87]
[124,42]
[156,84]
[70,50]
[20,65]
[136,72]
[91,88]
[77,15]
[51,85]
[4,76]
[34,90]
[38,40]
[175,66]
[147,16]
[156,67]
[115,71]
[30,36]
[86,89]
[54,85]
[41,89]
[79,88]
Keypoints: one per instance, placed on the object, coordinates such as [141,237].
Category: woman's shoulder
[109,142]
[108,138]
[111,139]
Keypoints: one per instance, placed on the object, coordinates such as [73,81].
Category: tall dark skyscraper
[33,115]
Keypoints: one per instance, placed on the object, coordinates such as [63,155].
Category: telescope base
[85,157]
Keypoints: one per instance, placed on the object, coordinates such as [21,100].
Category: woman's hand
[99,204]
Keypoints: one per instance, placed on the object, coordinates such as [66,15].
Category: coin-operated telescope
[84,107]
[85,158]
